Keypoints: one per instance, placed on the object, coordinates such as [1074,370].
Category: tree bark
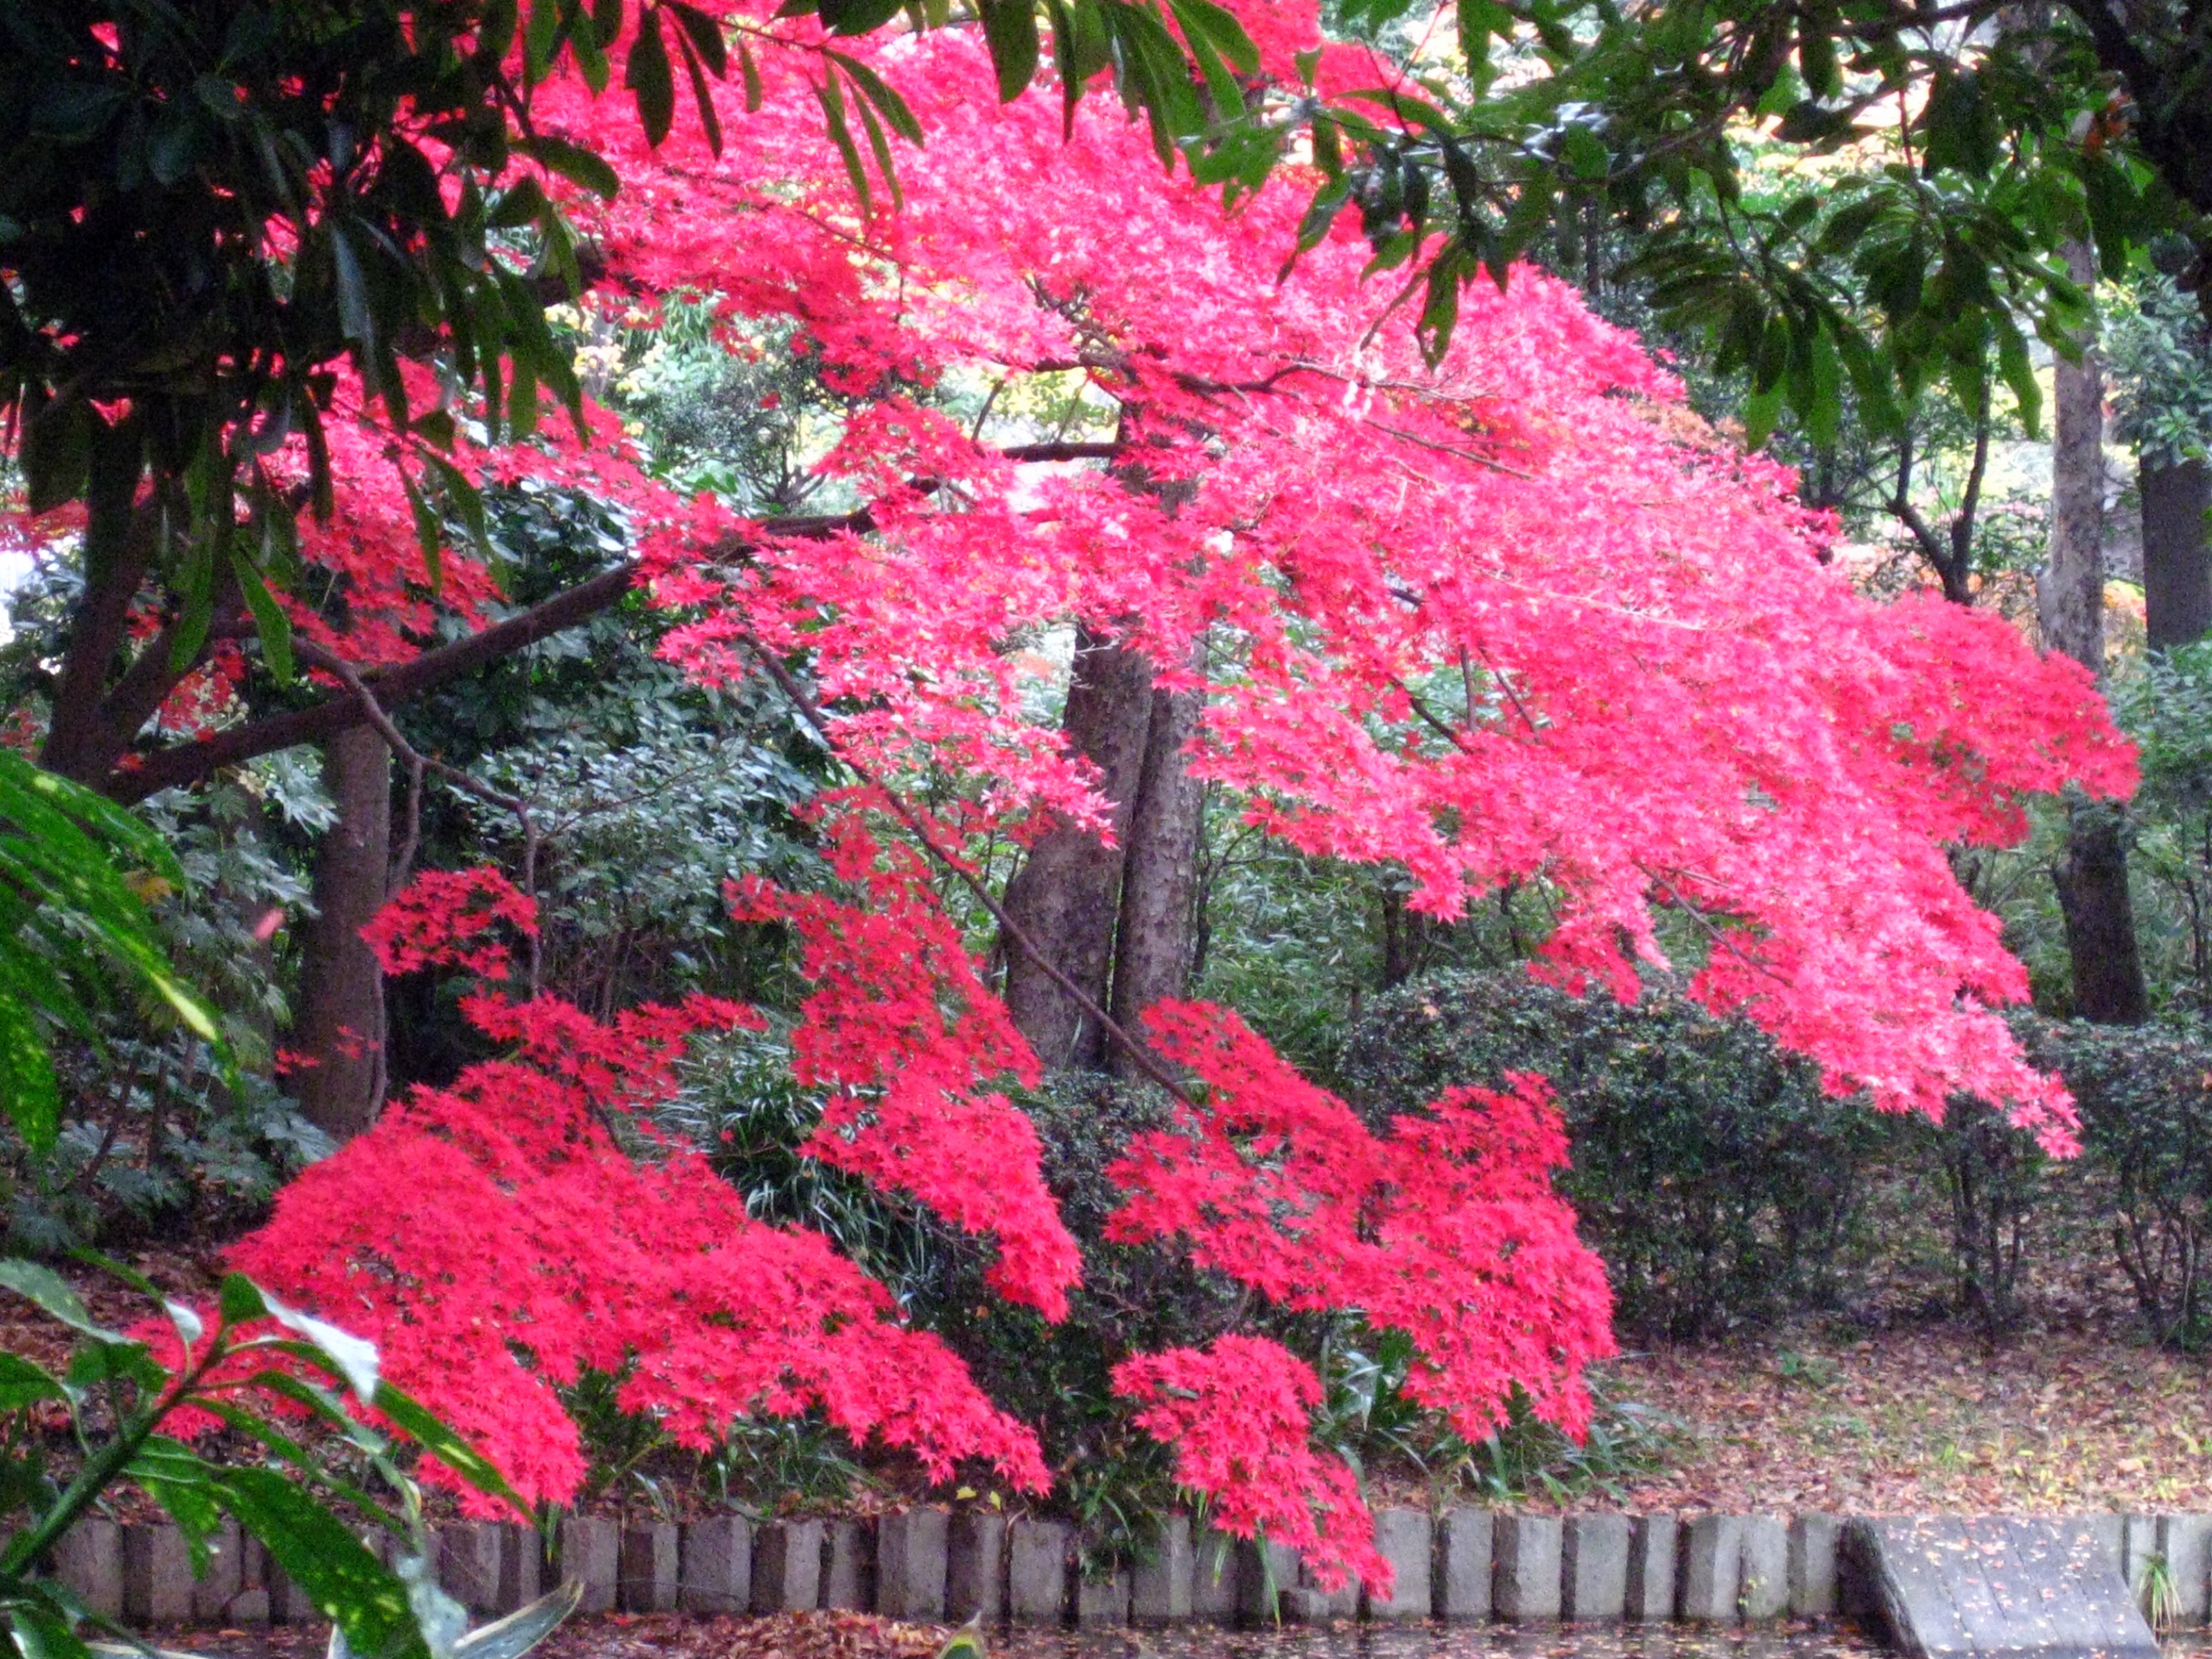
[2070,592]
[2177,552]
[341,1025]
[2092,879]
[1159,872]
[2091,874]
[1065,896]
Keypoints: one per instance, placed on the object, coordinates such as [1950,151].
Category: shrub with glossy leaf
[1709,1170]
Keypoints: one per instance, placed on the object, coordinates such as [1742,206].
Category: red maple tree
[1508,617]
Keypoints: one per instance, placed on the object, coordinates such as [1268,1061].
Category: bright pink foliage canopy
[1515,618]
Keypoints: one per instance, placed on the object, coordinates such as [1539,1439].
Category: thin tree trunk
[2177,553]
[1159,872]
[341,1026]
[1066,894]
[2091,874]
[2070,592]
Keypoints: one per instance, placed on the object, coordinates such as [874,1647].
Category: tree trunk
[2092,879]
[341,1023]
[2177,553]
[2091,874]
[1159,872]
[1065,895]
[2070,592]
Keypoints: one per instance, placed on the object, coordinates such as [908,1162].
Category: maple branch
[165,769]
[1435,723]
[182,764]
[1454,452]
[1105,450]
[1712,932]
[1113,1030]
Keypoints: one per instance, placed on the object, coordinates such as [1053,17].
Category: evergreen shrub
[1711,1172]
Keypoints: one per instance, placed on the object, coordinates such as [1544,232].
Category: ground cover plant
[1046,508]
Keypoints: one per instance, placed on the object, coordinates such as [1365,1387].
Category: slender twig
[1713,933]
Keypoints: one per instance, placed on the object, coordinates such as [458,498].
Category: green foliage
[1109,1477]
[1530,1459]
[741,1107]
[1284,939]
[211,132]
[2163,701]
[746,418]
[2158,351]
[617,1444]
[646,794]
[157,1128]
[75,941]
[1367,1418]
[771,1463]
[1710,1170]
[644,808]
[2145,1097]
[2159,1596]
[303,1497]
[1943,167]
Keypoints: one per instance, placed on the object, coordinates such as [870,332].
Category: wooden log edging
[1464,1564]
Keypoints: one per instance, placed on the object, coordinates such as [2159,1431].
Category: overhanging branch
[167,768]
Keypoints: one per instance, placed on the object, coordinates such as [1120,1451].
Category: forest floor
[1886,1404]
[1924,1419]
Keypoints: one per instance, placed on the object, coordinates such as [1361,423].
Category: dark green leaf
[270,624]
[1760,410]
[1203,20]
[22,1384]
[2019,373]
[857,17]
[830,95]
[355,316]
[701,96]
[752,78]
[705,36]
[647,74]
[1816,55]
[1011,28]
[239,1300]
[879,93]
[539,37]
[55,452]
[347,1584]
[879,147]
[573,162]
